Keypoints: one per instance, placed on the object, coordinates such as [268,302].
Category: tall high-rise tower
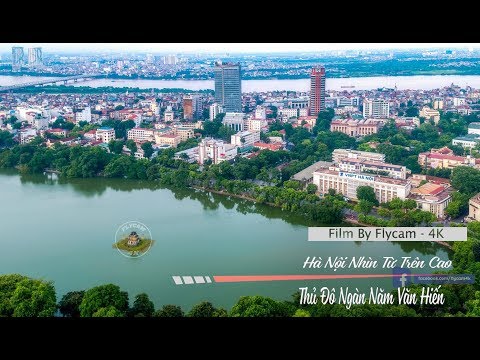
[228,86]
[35,56]
[192,107]
[317,90]
[18,58]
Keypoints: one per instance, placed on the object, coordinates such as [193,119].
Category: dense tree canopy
[142,306]
[61,123]
[121,127]
[466,180]
[147,149]
[169,311]
[367,193]
[324,119]
[103,298]
[21,296]
[258,306]
[116,146]
[69,305]
[204,309]
[6,139]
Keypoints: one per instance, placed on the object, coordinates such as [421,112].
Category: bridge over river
[53,80]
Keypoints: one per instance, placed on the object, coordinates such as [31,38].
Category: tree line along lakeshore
[262,179]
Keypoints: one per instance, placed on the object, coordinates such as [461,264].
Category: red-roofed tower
[317,90]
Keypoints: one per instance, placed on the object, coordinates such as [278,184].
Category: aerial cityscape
[227,157]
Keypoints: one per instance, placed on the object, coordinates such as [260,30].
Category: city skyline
[234,48]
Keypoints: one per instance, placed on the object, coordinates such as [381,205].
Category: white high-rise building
[376,108]
[170,60]
[215,150]
[260,112]
[245,138]
[40,123]
[255,124]
[105,134]
[459,101]
[168,115]
[155,108]
[18,58]
[214,110]
[287,113]
[35,56]
[84,115]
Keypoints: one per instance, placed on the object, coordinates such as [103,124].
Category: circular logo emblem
[133,239]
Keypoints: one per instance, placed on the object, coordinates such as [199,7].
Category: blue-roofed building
[474,128]
[467,141]
[105,134]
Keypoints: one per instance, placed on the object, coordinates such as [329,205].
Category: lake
[424,82]
[63,231]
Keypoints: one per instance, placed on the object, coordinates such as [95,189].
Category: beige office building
[347,183]
[474,208]
[356,128]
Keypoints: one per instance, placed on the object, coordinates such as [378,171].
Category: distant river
[423,82]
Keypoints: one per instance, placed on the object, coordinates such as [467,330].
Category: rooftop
[170,136]
[444,150]
[355,122]
[474,125]
[273,147]
[105,128]
[468,137]
[307,173]
[358,152]
[379,164]
[476,198]
[429,189]
[378,179]
[444,156]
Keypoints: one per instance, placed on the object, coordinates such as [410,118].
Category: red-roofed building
[444,159]
[57,132]
[67,141]
[432,197]
[90,134]
[96,142]
[418,178]
[444,150]
[311,120]
[264,146]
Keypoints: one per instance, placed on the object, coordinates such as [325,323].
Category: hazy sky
[225,47]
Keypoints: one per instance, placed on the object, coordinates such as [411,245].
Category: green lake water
[63,231]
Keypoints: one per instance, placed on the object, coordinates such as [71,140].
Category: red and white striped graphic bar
[188,280]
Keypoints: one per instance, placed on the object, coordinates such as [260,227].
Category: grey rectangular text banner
[387,234]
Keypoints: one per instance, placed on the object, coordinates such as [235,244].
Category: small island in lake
[134,244]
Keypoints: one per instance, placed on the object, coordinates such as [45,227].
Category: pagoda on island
[133,239]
